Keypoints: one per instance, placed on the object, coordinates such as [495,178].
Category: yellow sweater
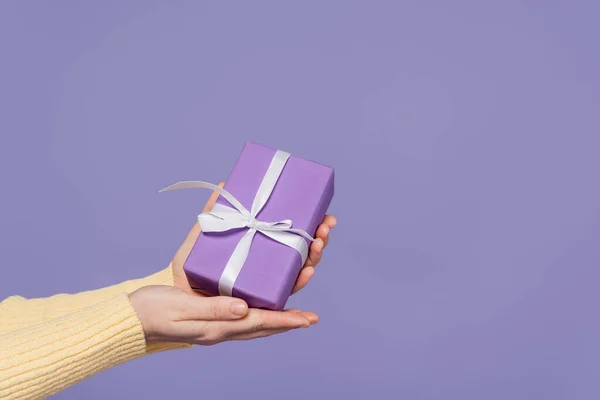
[49,344]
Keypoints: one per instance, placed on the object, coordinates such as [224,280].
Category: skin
[179,314]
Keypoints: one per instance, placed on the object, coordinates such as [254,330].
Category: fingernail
[239,308]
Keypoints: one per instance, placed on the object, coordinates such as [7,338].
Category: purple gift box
[302,194]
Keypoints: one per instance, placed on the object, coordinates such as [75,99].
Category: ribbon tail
[205,185]
[235,263]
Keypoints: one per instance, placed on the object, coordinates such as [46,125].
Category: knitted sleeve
[17,312]
[49,344]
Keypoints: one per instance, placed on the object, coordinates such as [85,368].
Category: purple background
[465,137]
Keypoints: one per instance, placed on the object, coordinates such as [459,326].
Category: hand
[308,270]
[170,314]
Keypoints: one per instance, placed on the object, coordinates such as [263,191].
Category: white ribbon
[224,218]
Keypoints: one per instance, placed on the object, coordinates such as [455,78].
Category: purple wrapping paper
[302,193]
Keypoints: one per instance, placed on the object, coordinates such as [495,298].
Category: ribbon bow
[224,218]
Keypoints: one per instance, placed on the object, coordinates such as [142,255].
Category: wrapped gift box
[302,193]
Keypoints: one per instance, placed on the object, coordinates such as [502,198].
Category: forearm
[17,312]
[38,361]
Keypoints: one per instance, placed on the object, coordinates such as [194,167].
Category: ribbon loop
[224,218]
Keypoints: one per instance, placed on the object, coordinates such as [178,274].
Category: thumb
[185,249]
[213,308]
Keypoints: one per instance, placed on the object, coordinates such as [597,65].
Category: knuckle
[209,340]
[214,310]
[227,334]
[211,336]
[177,314]
[259,326]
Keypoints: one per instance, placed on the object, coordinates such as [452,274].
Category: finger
[195,231]
[187,245]
[315,253]
[323,233]
[330,221]
[303,278]
[252,326]
[311,316]
[266,319]
[260,334]
[217,308]
[314,318]
[259,320]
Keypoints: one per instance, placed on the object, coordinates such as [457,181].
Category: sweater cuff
[158,347]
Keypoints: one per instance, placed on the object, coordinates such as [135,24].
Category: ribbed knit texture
[49,344]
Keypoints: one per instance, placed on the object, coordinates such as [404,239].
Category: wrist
[137,301]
